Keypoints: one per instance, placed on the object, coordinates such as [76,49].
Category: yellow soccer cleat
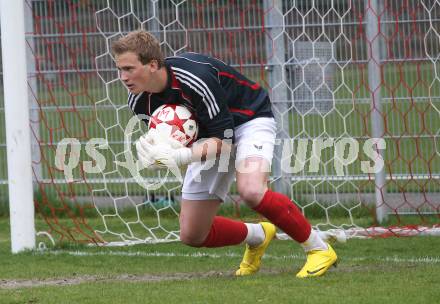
[252,256]
[318,262]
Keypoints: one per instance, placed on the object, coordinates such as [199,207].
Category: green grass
[393,270]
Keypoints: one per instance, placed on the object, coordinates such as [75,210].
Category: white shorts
[213,178]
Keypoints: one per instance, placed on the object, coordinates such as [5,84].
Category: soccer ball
[174,121]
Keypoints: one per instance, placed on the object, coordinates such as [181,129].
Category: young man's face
[137,77]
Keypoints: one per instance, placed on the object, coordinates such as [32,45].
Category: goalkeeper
[234,114]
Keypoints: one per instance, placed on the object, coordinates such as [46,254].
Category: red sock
[225,232]
[284,214]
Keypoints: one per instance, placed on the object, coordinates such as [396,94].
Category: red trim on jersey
[175,84]
[254,86]
[245,112]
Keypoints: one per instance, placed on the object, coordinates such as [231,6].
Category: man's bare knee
[252,194]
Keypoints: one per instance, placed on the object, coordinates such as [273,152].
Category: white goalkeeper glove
[143,146]
[158,152]
[166,156]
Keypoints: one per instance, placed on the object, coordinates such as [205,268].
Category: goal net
[355,87]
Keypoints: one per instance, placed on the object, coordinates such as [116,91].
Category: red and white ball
[175,121]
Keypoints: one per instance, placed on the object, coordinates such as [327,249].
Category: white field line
[389,259]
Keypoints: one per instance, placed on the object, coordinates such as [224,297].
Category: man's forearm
[208,149]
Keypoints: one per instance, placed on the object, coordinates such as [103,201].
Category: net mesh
[339,73]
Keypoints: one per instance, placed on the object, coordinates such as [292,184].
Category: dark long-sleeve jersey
[219,96]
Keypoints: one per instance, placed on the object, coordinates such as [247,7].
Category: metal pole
[18,141]
[374,80]
[277,79]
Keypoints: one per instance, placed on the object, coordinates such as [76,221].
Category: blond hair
[142,43]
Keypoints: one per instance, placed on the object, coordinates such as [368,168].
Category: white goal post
[18,138]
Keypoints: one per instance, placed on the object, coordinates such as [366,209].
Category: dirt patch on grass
[14,284]
[80,279]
